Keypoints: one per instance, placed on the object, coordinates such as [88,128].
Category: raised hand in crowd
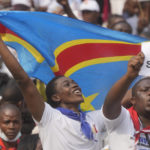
[112,104]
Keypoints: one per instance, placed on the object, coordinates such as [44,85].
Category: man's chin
[11,136]
[78,101]
[81,101]
[147,113]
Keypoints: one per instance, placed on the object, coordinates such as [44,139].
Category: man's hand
[134,65]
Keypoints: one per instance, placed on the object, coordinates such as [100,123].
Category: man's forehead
[144,82]
[63,79]
[9,113]
[9,117]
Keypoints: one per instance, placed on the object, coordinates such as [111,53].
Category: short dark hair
[51,90]
[7,106]
[12,93]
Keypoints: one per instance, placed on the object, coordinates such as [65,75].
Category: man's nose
[11,125]
[148,91]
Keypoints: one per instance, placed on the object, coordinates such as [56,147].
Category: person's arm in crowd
[126,101]
[33,99]
[112,104]
[67,8]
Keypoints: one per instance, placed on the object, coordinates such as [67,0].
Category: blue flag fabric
[49,45]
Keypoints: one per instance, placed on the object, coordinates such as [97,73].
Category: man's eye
[6,122]
[144,90]
[16,121]
[66,84]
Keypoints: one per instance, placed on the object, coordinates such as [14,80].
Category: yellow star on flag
[86,105]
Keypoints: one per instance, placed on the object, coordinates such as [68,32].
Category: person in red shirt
[10,126]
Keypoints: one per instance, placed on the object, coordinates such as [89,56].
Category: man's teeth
[77,91]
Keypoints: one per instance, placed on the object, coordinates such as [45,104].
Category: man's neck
[145,121]
[72,107]
[10,144]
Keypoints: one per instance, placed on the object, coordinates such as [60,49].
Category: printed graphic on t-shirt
[94,130]
[143,143]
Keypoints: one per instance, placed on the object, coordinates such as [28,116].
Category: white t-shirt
[59,132]
[121,133]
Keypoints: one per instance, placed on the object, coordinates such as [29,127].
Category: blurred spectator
[56,8]
[12,95]
[4,4]
[41,5]
[4,79]
[3,67]
[5,76]
[27,122]
[105,10]
[30,142]
[131,8]
[114,18]
[144,16]
[137,14]
[10,125]
[38,5]
[131,12]
[117,6]
[118,23]
[21,5]
[145,34]
[61,6]
[90,10]
[122,26]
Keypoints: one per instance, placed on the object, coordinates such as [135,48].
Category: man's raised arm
[112,104]
[33,99]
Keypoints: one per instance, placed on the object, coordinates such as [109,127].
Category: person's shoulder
[94,112]
[48,108]
[96,118]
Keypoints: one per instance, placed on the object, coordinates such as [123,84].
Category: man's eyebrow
[65,81]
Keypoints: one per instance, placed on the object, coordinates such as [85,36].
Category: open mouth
[77,91]
[11,134]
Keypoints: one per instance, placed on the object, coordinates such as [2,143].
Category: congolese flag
[49,45]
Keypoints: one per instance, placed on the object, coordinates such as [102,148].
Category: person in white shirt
[62,125]
[61,7]
[129,129]
[89,10]
[38,5]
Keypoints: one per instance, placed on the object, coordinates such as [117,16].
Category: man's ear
[133,100]
[56,98]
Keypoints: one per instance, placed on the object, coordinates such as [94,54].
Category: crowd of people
[27,122]
[131,16]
